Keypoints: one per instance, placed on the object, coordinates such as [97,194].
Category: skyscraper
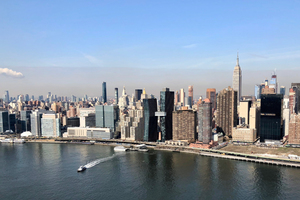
[176,98]
[104,98]
[227,110]
[50,125]
[182,96]
[150,131]
[205,121]
[4,124]
[107,116]
[6,97]
[237,80]
[191,93]
[282,90]
[273,83]
[137,94]
[116,96]
[296,89]
[184,125]
[212,96]
[270,117]
[167,106]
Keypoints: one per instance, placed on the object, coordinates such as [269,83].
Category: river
[49,171]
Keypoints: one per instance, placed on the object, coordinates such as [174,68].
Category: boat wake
[96,162]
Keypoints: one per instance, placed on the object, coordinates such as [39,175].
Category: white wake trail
[96,162]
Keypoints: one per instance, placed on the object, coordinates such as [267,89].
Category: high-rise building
[237,80]
[282,90]
[294,129]
[50,125]
[4,123]
[107,116]
[12,122]
[150,132]
[273,83]
[296,89]
[6,96]
[123,100]
[212,96]
[268,90]
[191,93]
[182,96]
[27,97]
[270,117]
[144,95]
[25,120]
[137,94]
[104,98]
[244,112]
[176,98]
[257,91]
[116,96]
[184,125]
[205,121]
[35,119]
[167,106]
[227,110]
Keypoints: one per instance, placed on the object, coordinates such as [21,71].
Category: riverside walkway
[256,160]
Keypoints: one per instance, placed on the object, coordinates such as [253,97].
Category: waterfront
[48,171]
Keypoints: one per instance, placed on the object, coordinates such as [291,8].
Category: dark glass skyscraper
[167,106]
[150,131]
[4,125]
[104,98]
[270,117]
[116,96]
[137,94]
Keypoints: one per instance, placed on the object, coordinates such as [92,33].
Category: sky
[70,47]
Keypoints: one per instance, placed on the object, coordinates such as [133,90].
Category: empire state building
[237,80]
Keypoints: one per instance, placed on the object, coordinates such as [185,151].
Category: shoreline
[199,151]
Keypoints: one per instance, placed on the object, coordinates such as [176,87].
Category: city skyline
[145,45]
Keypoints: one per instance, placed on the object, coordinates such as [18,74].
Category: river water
[49,171]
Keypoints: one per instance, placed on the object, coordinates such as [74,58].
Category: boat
[7,140]
[142,147]
[81,168]
[19,141]
[120,148]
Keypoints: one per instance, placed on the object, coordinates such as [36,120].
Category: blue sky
[142,38]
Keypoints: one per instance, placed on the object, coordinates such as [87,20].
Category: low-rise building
[95,133]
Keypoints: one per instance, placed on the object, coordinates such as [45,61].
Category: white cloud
[190,46]
[9,72]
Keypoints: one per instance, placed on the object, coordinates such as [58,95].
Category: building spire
[237,59]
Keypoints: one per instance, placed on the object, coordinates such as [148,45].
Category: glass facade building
[270,117]
[4,125]
[137,94]
[116,96]
[107,116]
[12,122]
[25,120]
[150,130]
[167,106]
[104,98]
